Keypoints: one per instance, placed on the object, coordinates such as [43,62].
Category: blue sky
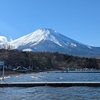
[76,19]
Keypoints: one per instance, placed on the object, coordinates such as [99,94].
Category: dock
[53,84]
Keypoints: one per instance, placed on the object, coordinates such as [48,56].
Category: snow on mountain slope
[50,40]
[44,34]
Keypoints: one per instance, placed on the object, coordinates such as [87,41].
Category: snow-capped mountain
[41,35]
[50,40]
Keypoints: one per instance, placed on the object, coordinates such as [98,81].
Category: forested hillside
[46,60]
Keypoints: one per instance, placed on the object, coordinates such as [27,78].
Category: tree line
[46,60]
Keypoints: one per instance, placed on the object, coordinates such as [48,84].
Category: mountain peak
[37,36]
[49,35]
[44,31]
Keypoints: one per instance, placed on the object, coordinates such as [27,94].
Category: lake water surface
[51,93]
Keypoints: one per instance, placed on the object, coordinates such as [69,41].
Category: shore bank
[8,73]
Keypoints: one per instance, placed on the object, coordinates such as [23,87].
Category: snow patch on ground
[28,49]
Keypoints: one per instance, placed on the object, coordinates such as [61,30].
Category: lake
[51,93]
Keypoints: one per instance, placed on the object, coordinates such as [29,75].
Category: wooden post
[2,64]
[3,72]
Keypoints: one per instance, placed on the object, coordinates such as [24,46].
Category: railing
[53,84]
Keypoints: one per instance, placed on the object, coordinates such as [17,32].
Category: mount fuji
[45,39]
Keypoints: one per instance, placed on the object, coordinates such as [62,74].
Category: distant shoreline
[8,73]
